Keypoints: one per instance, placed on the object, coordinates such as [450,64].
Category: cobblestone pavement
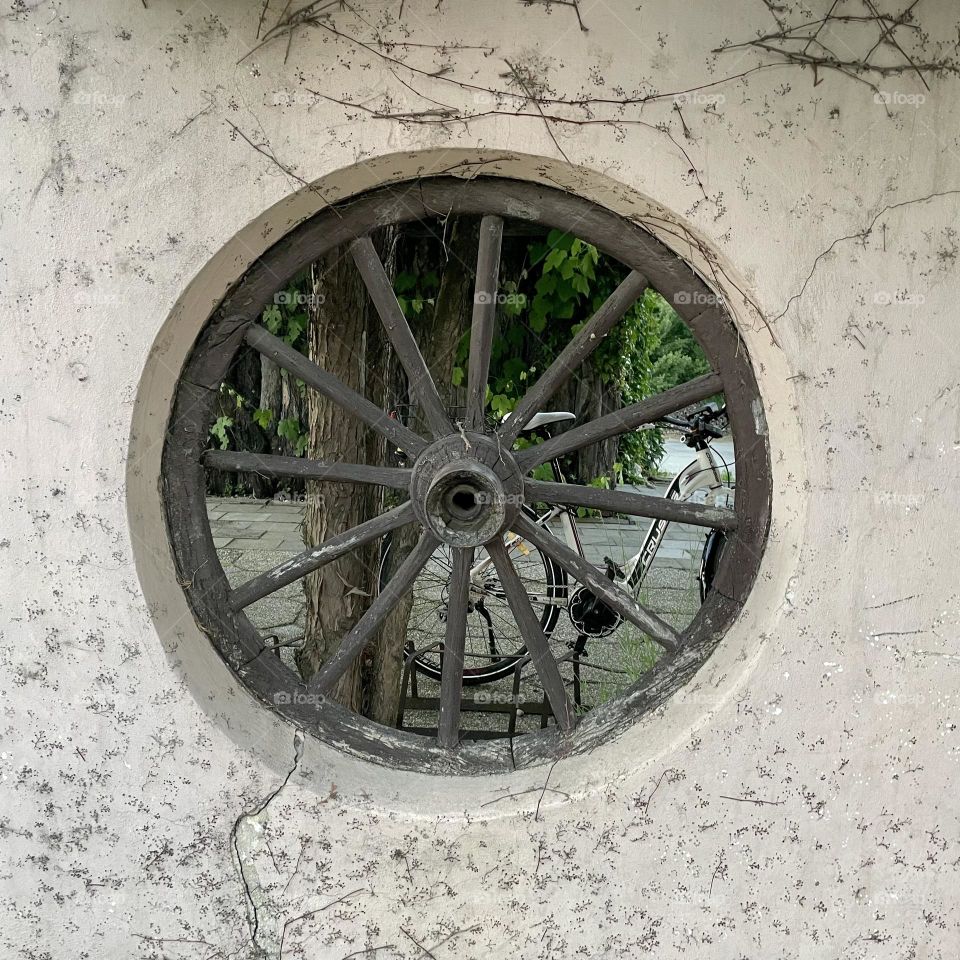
[254,535]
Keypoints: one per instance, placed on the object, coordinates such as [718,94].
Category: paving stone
[274,612]
[268,542]
[231,529]
[256,561]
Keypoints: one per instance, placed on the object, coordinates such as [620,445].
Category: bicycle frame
[702,473]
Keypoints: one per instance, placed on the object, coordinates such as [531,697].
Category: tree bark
[338,594]
[346,339]
[438,332]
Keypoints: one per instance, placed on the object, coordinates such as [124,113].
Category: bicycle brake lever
[614,569]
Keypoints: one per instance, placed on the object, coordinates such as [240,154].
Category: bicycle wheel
[713,549]
[493,642]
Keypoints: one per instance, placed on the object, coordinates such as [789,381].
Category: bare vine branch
[802,46]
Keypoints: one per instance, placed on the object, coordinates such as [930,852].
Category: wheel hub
[465,489]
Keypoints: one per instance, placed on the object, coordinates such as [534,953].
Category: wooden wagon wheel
[457,457]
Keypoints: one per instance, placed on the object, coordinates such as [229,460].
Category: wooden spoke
[334,389]
[621,421]
[484,315]
[614,596]
[364,629]
[632,504]
[573,355]
[268,465]
[398,330]
[451,679]
[533,636]
[328,551]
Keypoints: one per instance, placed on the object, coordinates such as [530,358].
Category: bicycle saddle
[548,417]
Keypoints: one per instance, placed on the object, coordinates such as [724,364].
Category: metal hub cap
[465,490]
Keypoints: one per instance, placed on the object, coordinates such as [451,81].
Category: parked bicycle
[493,642]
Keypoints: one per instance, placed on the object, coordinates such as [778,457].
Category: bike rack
[513,707]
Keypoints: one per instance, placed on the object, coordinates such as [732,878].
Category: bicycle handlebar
[697,419]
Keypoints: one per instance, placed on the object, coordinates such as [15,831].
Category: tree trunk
[346,340]
[591,399]
[437,333]
[280,395]
[338,594]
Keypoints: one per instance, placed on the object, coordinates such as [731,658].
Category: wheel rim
[544,584]
[219,609]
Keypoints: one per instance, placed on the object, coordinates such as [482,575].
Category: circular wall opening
[473,499]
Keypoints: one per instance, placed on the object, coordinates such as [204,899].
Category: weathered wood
[363,630]
[621,421]
[586,573]
[193,412]
[398,330]
[451,679]
[484,315]
[268,465]
[351,401]
[533,637]
[303,563]
[590,337]
[632,504]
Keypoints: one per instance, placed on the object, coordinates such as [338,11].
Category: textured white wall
[797,801]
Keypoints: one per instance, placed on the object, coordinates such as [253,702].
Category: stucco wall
[798,800]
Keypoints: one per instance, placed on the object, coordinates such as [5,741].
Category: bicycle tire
[556,581]
[710,561]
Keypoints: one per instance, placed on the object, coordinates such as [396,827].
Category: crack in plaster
[245,840]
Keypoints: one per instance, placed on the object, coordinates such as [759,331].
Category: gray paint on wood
[587,340]
[316,557]
[194,410]
[269,465]
[484,317]
[632,504]
[533,637]
[363,630]
[620,421]
[587,574]
[398,330]
[335,389]
[451,679]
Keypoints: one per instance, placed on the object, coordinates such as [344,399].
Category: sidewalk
[254,535]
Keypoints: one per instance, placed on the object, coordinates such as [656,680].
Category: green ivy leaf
[219,431]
